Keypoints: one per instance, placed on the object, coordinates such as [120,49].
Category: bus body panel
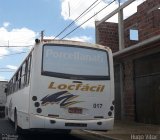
[46,123]
[92,103]
[72,103]
[19,101]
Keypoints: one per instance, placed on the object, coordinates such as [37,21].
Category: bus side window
[11,86]
[23,75]
[17,80]
[28,69]
[7,89]
[20,72]
[21,78]
[14,84]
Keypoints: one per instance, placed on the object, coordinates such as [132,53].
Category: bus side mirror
[5,90]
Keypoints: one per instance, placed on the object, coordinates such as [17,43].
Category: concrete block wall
[108,35]
[148,19]
[128,88]
[147,22]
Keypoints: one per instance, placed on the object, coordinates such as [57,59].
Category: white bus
[63,85]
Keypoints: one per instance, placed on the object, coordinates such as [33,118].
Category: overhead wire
[12,54]
[8,46]
[83,13]
[7,71]
[87,20]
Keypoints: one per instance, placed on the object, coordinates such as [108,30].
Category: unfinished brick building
[137,65]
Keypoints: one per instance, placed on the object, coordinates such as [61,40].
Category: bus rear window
[74,62]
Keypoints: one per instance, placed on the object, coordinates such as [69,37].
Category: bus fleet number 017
[97,105]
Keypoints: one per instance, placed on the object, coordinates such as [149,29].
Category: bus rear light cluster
[36,104]
[109,113]
[113,102]
[111,109]
[34,98]
[39,110]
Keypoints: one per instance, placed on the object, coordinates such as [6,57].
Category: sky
[21,22]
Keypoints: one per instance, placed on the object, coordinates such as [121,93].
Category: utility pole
[69,13]
[42,35]
[120,28]
[8,43]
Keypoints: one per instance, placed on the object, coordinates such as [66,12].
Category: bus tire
[67,131]
[17,129]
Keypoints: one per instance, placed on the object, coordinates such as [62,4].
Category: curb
[100,135]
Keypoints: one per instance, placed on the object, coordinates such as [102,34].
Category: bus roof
[51,41]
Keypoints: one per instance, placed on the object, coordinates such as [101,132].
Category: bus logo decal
[77,86]
[64,98]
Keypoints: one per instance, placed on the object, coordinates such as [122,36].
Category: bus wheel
[17,129]
[67,131]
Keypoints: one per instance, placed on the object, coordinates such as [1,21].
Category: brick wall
[146,21]
[108,35]
[128,88]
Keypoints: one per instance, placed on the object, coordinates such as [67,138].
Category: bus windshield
[72,62]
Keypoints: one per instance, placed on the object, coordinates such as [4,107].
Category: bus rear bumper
[37,121]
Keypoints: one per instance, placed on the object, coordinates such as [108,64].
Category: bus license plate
[75,110]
